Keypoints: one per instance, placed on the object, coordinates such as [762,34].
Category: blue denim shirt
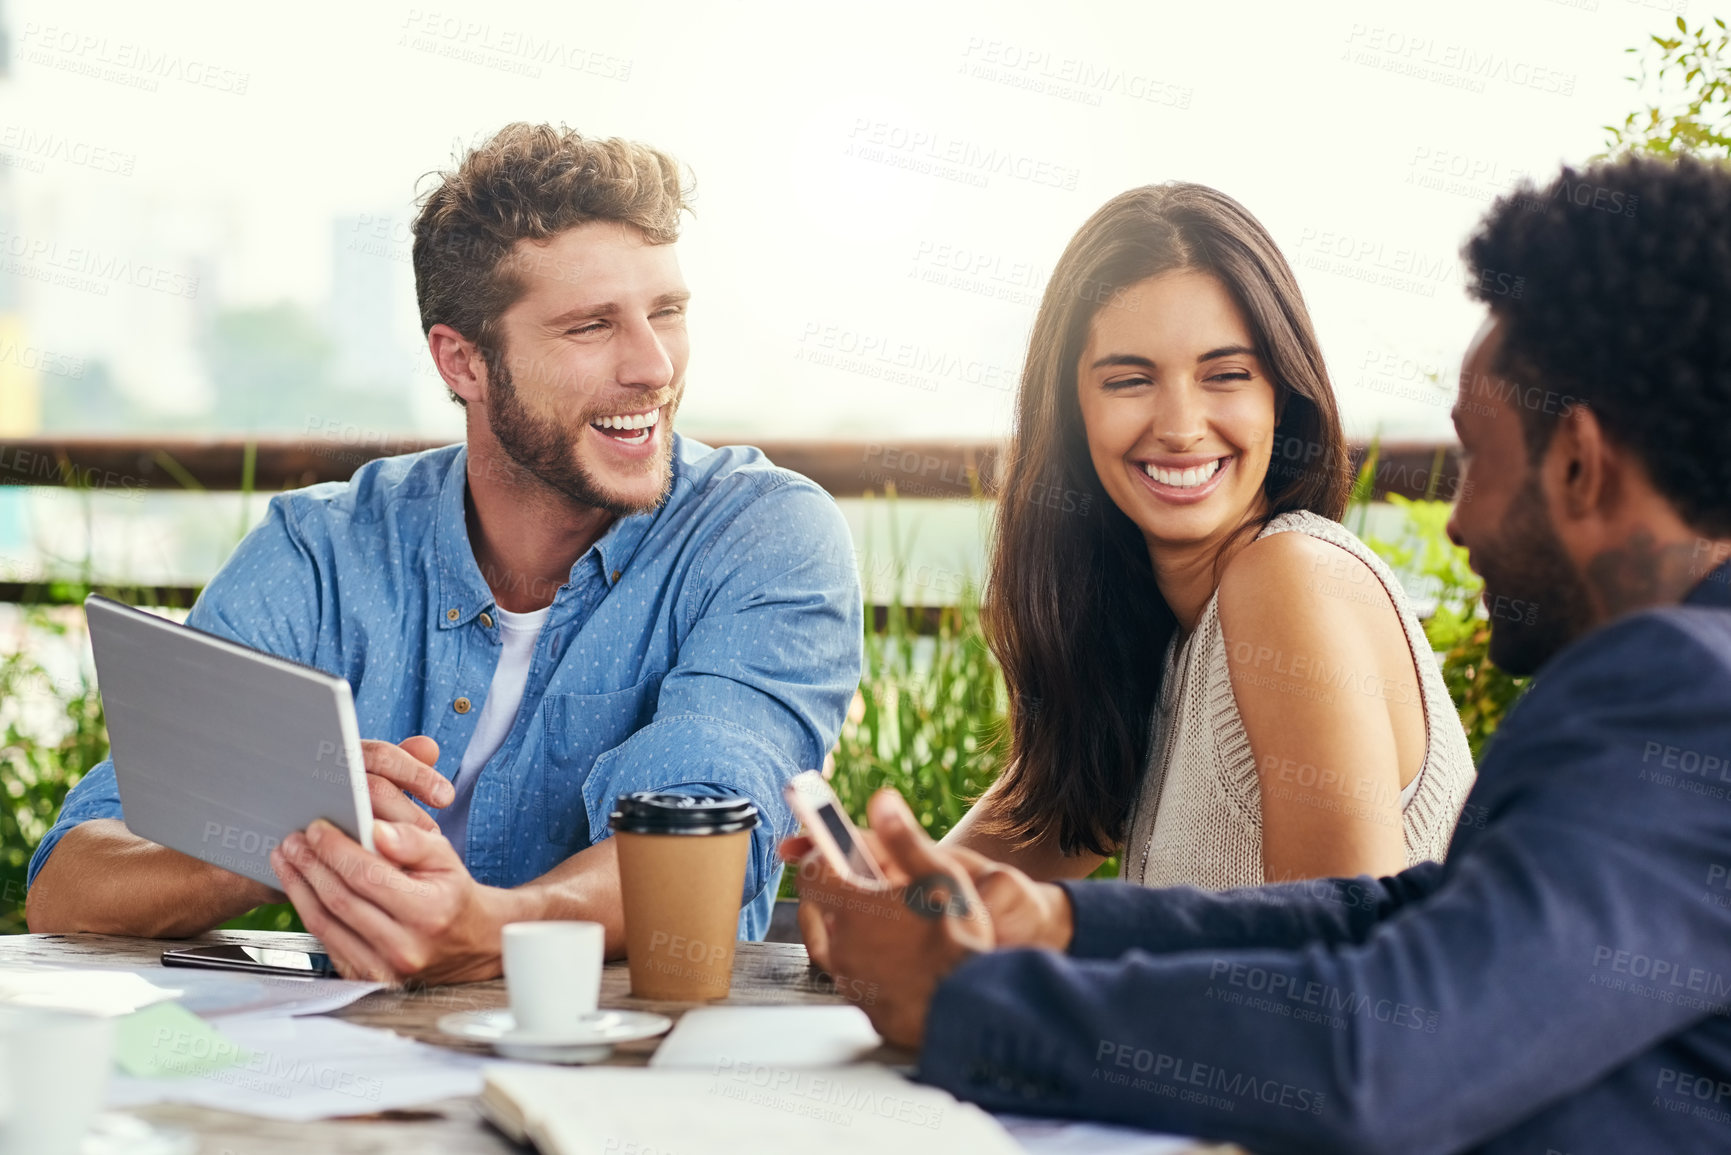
[713,643]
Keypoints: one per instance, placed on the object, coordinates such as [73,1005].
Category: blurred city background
[204,222]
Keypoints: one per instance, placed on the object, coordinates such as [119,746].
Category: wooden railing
[917,468]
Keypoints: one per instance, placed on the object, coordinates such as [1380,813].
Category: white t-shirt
[517,632]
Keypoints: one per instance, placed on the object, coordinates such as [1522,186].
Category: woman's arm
[1041,860]
[1325,683]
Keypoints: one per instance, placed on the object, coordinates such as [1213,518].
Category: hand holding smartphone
[834,834]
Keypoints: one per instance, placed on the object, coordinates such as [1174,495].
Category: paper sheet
[1067,1137]
[210,993]
[167,1040]
[93,992]
[714,1038]
[300,1069]
[226,995]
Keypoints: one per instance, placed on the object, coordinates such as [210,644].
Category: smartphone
[257,959]
[815,804]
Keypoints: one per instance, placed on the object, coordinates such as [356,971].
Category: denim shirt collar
[464,593]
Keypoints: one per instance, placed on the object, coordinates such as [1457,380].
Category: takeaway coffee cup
[681,871]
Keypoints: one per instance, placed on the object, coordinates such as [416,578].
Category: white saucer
[589,1042]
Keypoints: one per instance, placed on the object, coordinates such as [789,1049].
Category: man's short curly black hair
[1613,286]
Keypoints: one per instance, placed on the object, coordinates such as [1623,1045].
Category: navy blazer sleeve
[1113,918]
[1451,1017]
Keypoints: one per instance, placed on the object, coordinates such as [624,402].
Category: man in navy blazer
[1561,984]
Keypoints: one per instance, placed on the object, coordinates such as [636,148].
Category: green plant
[929,711]
[41,758]
[931,705]
[1455,626]
[930,708]
[1689,79]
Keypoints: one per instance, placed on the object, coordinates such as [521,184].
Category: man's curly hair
[529,182]
[1613,286]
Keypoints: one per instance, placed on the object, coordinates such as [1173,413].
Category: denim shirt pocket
[579,729]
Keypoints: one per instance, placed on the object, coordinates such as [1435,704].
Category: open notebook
[746,1107]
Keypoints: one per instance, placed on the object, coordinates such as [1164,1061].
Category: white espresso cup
[552,974]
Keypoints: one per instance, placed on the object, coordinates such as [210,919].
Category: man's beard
[544,449]
[1538,600]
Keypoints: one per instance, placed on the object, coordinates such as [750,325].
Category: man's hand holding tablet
[253,764]
[408,909]
[396,775]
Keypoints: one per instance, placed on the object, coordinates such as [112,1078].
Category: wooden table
[764,974]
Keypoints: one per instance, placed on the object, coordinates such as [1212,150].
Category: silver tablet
[222,751]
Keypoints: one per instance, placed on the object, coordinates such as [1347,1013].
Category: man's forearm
[584,886]
[104,879]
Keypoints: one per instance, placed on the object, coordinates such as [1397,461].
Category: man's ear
[458,361]
[1586,467]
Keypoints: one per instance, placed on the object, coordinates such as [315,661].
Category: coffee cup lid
[658,812]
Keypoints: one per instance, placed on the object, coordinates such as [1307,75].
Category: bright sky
[881,189]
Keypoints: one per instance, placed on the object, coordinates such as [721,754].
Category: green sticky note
[166,1040]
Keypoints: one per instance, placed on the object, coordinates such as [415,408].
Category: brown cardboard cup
[682,865]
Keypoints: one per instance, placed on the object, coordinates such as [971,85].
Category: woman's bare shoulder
[1299,589]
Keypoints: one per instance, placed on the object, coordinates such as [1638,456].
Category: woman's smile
[1183,482]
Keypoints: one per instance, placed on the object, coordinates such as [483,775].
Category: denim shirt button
[461,705]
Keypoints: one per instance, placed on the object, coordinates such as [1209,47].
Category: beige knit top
[1198,816]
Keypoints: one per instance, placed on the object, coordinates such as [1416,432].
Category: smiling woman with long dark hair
[1207,672]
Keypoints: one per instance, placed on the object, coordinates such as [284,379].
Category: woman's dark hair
[1072,612]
